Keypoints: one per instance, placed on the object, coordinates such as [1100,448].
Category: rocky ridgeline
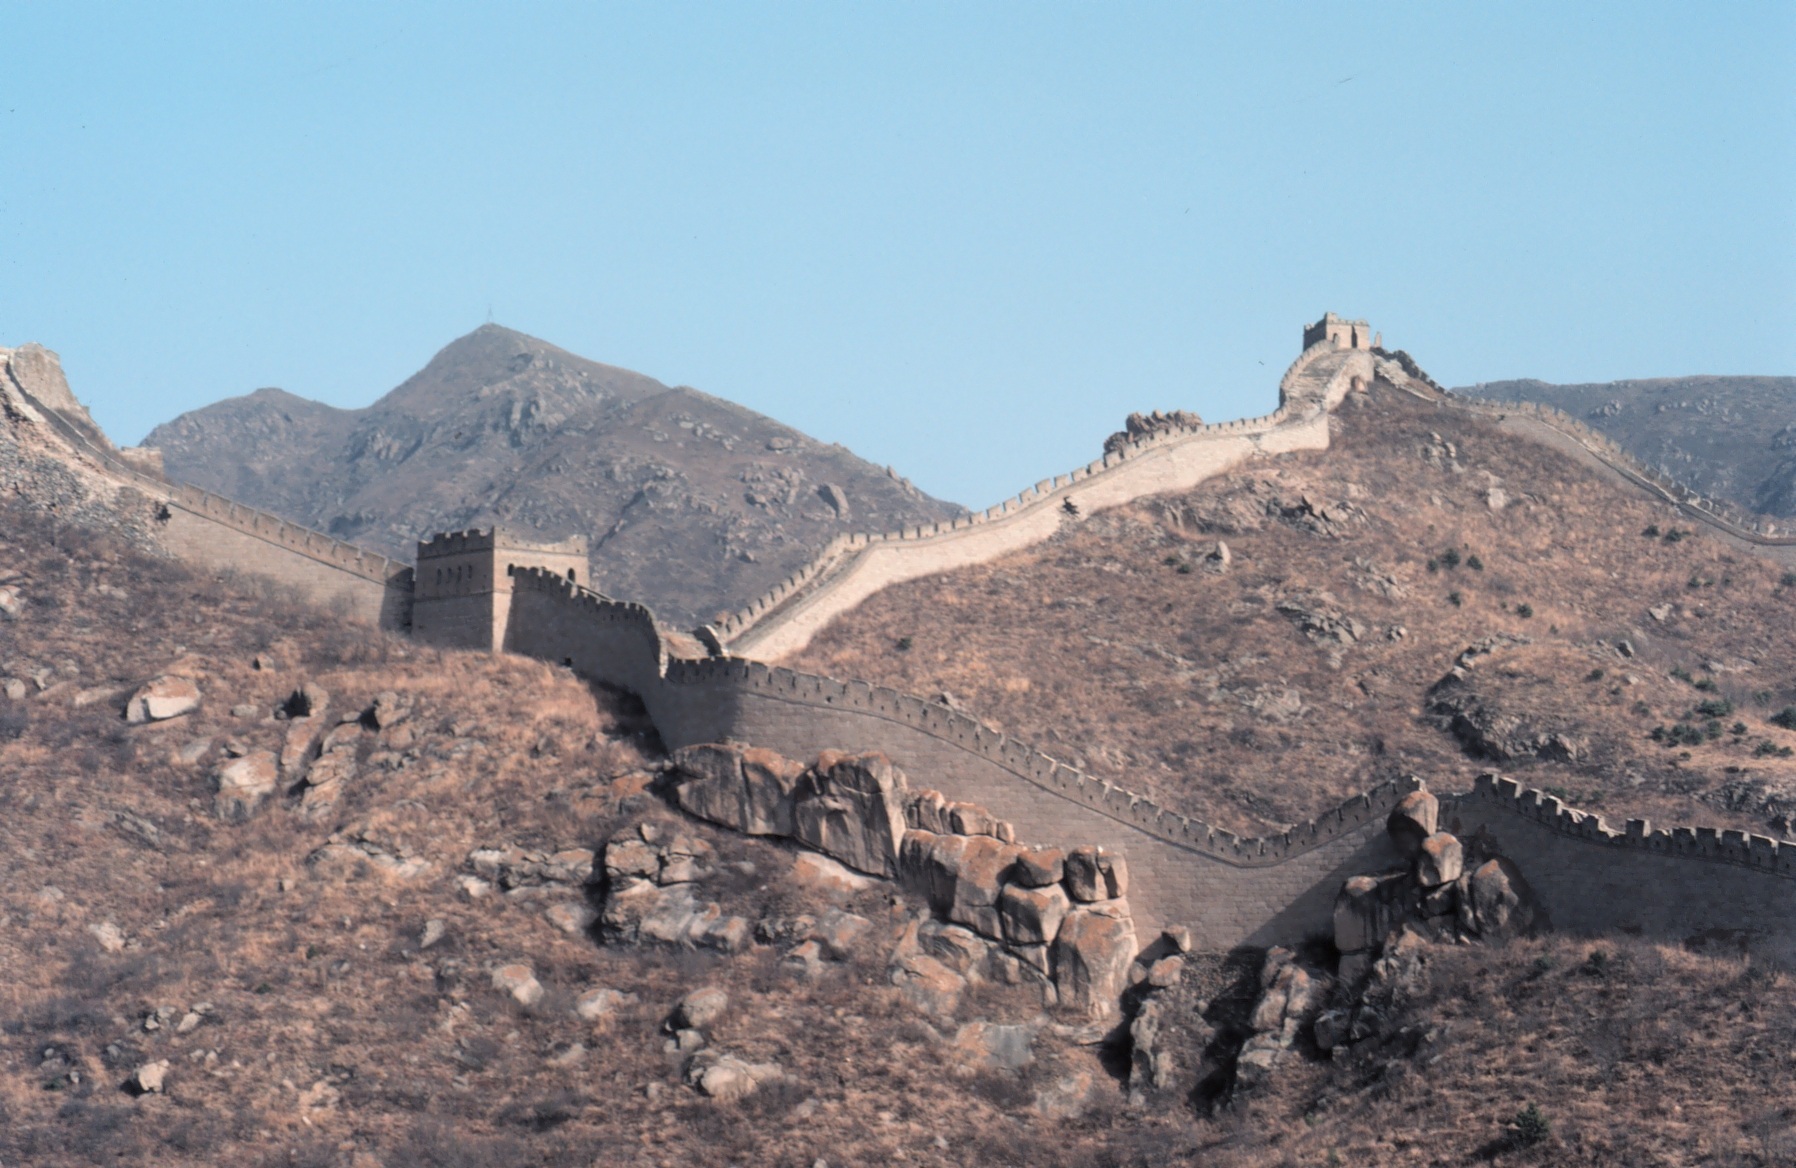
[1020,914]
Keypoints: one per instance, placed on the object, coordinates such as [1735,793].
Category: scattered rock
[11,606]
[928,985]
[243,783]
[1497,899]
[994,1046]
[109,935]
[962,876]
[164,698]
[149,1079]
[601,1003]
[1032,916]
[518,980]
[839,932]
[434,931]
[699,1009]
[570,917]
[726,1078]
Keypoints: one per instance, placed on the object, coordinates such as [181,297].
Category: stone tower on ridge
[461,591]
[1341,332]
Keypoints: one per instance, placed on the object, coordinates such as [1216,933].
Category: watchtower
[1343,333]
[461,590]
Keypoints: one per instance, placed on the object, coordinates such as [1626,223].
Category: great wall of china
[1231,891]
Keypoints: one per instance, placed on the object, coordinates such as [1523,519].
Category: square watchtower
[1341,332]
[461,590]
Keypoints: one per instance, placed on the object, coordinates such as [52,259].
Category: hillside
[322,980]
[689,501]
[1316,658]
[1731,438]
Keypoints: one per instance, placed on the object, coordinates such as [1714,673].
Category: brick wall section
[852,568]
[1591,878]
[1231,891]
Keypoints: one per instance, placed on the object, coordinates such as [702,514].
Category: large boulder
[1440,860]
[1031,916]
[745,788]
[243,783]
[1092,953]
[1497,900]
[962,876]
[1368,908]
[852,807]
[1413,820]
[162,699]
[1094,874]
[1039,867]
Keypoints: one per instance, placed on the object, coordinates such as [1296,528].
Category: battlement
[1340,333]
[452,543]
[852,567]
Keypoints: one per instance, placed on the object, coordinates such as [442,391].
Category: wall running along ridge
[852,568]
[1229,890]
[209,530]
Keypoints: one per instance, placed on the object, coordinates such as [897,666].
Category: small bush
[1737,729]
[1715,708]
[1450,558]
[1652,531]
[1594,675]
[1524,610]
[903,644]
[1675,535]
[1787,580]
[1474,563]
[1785,717]
[1455,599]
[1528,1128]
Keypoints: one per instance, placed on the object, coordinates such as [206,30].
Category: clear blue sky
[964,239]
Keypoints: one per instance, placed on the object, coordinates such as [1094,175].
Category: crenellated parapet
[1176,457]
[1723,846]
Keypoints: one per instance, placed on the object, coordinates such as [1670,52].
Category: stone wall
[1229,890]
[852,568]
[1591,878]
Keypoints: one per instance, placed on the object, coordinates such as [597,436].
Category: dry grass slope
[1258,695]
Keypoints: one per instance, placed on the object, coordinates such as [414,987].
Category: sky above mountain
[963,240]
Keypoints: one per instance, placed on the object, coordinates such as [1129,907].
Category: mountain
[1731,438]
[690,502]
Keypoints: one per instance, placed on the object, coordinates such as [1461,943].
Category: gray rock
[1439,861]
[151,1078]
[601,1003]
[840,932]
[1039,867]
[1092,953]
[727,1078]
[699,1009]
[242,784]
[1032,916]
[1499,904]
[851,807]
[745,788]
[165,697]
[996,1046]
[11,606]
[1413,820]
[962,876]
[519,981]
[1094,874]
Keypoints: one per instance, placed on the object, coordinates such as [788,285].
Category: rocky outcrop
[243,783]
[851,807]
[649,881]
[1137,427]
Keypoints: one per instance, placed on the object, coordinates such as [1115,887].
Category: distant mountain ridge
[689,501]
[1731,438]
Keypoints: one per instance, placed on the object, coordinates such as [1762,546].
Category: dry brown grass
[1193,687]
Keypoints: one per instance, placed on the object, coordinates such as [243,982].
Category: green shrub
[1450,558]
[1524,611]
[1529,1127]
[1652,531]
[1715,708]
[904,644]
[1474,563]
[1594,675]
[1788,580]
[1737,729]
[1455,599]
[1785,717]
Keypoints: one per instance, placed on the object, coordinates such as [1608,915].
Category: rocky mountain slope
[1731,438]
[690,502]
[278,891]
[1431,595]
